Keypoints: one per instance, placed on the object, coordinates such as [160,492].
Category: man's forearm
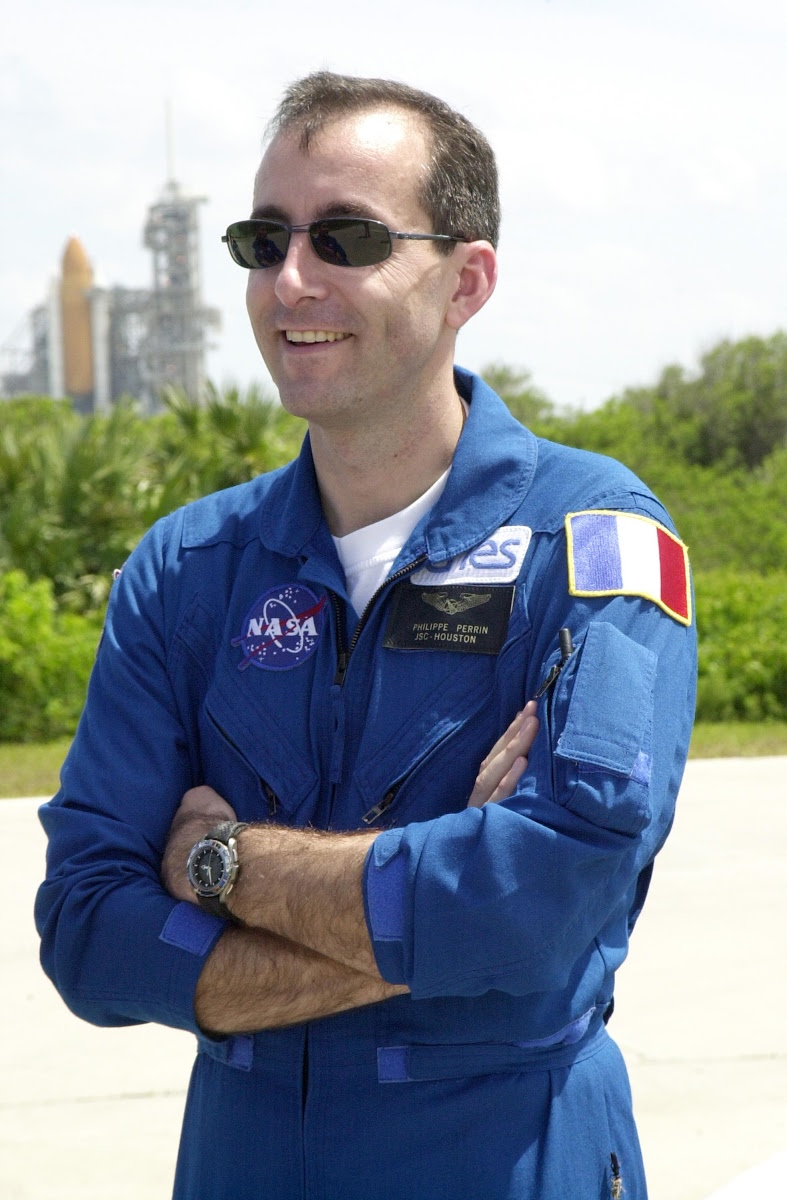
[254,980]
[306,886]
[300,884]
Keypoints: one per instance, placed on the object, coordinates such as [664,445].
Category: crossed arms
[302,950]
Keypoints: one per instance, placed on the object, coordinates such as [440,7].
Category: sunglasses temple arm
[426,237]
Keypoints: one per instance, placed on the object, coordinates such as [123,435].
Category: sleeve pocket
[604,747]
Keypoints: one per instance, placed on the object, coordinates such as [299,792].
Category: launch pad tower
[97,344]
[174,348]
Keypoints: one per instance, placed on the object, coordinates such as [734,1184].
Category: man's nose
[302,274]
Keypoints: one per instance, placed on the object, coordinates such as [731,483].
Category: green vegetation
[77,493]
[742,649]
[31,769]
[738,739]
[45,659]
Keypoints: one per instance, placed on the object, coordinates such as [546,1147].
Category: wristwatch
[212,867]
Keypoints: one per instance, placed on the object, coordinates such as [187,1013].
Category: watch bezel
[229,858]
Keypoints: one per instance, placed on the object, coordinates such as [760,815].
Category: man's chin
[309,401]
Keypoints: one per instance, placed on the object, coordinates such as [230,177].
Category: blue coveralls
[496,1077]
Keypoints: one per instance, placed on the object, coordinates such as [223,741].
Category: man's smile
[314,335]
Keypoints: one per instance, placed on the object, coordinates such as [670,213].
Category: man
[398,967]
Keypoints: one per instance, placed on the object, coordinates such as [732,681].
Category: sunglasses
[340,241]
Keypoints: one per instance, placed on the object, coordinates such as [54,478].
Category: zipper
[548,690]
[343,655]
[373,814]
[270,795]
[344,651]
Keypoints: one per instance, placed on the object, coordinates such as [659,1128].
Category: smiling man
[366,356]
[379,748]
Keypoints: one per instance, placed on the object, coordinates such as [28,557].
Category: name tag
[472,620]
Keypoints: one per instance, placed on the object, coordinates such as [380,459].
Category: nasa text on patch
[281,629]
[498,559]
[472,620]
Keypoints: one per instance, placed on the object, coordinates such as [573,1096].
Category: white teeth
[313,335]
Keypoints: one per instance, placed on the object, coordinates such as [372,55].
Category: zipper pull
[271,797]
[371,816]
[341,669]
[566,650]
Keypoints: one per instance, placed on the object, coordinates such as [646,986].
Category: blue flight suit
[231,657]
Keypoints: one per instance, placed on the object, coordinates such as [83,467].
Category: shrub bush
[741,620]
[45,660]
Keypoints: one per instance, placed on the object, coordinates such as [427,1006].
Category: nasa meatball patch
[281,629]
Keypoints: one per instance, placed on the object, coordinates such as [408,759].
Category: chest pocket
[432,718]
[244,748]
[248,751]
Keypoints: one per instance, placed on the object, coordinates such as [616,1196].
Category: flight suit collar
[492,470]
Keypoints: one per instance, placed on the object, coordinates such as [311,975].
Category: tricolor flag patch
[625,554]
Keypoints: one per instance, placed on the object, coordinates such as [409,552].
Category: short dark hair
[459,191]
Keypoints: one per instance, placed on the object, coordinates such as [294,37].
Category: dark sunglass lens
[258,244]
[351,242]
[270,246]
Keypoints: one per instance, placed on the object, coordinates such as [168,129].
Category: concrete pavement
[84,1113]
[701,1003]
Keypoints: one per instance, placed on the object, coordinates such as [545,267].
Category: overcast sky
[642,150]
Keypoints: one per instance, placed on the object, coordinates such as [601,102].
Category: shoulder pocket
[605,742]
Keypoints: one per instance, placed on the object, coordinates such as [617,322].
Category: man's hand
[200,809]
[505,763]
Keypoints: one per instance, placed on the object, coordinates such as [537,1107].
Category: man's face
[392,337]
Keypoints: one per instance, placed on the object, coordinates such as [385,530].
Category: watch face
[208,868]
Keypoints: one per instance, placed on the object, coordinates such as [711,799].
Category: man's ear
[477,279]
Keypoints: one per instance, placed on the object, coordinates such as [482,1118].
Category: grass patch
[31,768]
[730,739]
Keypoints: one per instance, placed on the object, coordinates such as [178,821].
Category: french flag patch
[625,554]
